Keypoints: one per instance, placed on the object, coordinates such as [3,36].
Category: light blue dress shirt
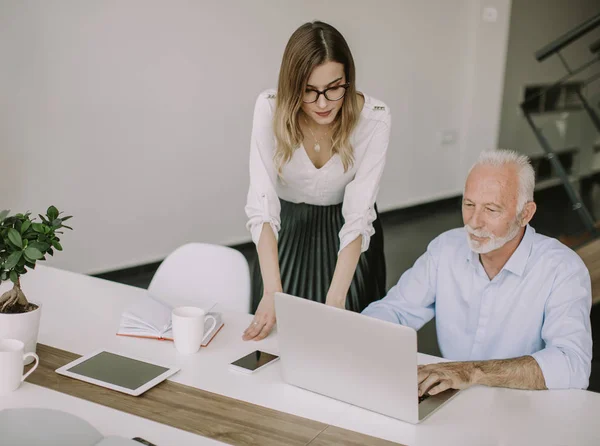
[539,305]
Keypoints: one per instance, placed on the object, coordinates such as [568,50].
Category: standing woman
[317,154]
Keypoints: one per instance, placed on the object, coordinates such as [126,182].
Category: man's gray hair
[525,171]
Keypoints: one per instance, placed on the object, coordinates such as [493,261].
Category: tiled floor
[408,233]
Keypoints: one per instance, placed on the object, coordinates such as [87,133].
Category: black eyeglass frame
[324,93]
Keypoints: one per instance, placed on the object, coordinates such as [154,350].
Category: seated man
[511,304]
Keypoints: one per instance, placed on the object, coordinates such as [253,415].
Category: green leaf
[51,251]
[14,276]
[43,219]
[4,276]
[56,223]
[42,247]
[68,227]
[13,259]
[10,247]
[15,237]
[33,253]
[52,213]
[25,226]
[67,217]
[38,227]
[4,214]
[57,245]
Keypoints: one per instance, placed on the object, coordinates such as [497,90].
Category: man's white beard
[492,243]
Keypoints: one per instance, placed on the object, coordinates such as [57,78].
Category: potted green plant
[24,241]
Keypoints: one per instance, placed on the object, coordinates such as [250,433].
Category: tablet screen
[118,370]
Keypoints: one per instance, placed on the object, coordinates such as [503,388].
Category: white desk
[81,314]
[108,421]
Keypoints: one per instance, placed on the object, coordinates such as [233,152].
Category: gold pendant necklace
[317,146]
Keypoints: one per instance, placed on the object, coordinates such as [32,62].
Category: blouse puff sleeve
[262,205]
[360,194]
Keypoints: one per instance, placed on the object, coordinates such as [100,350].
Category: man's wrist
[476,373]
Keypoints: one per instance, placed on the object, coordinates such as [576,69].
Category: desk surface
[198,411]
[108,421]
[81,314]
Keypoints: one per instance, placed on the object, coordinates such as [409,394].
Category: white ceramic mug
[12,360]
[188,328]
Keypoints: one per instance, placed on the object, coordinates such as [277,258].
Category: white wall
[533,25]
[485,62]
[135,115]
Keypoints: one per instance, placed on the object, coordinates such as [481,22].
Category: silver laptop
[353,358]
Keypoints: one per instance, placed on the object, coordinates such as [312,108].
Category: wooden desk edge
[200,412]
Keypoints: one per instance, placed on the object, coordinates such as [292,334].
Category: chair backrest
[202,274]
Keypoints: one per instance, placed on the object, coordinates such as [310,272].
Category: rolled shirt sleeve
[360,194]
[262,205]
[566,358]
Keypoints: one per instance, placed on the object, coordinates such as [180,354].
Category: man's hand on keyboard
[435,378]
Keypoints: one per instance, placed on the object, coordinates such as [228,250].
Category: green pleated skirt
[308,251]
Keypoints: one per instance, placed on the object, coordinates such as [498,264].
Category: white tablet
[117,372]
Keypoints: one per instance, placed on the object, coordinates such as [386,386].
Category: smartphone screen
[255,360]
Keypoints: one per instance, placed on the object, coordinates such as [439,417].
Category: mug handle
[37,362]
[211,328]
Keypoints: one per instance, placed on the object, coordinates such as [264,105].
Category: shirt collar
[518,260]
[472,256]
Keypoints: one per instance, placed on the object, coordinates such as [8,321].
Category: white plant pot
[22,326]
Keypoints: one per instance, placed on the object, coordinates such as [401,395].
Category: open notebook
[48,427]
[150,318]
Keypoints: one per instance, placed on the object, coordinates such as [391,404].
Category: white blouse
[303,183]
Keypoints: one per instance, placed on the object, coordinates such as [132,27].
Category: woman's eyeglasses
[331,94]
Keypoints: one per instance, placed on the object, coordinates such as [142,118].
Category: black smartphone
[142,441]
[253,361]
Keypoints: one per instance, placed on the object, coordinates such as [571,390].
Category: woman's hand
[263,321]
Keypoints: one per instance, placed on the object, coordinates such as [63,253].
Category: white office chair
[202,274]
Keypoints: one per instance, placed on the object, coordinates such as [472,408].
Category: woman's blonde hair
[311,45]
